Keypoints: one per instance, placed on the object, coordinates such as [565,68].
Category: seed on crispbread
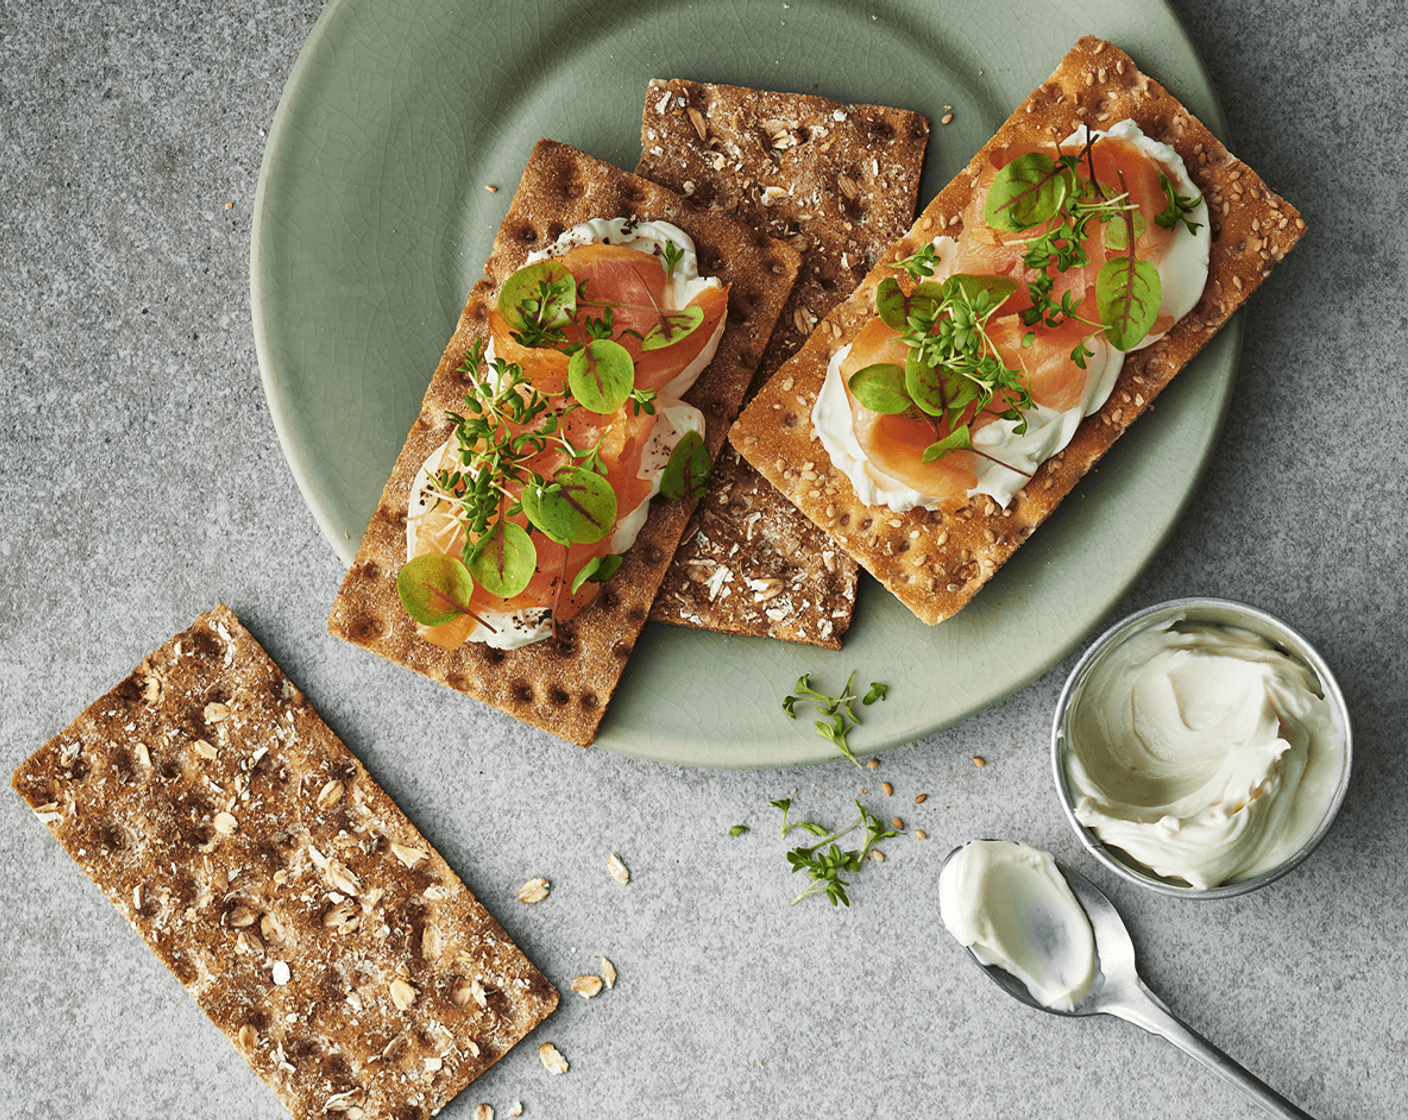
[318,930]
[933,562]
[839,182]
[564,684]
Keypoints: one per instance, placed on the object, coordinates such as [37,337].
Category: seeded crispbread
[263,865]
[934,563]
[840,183]
[563,684]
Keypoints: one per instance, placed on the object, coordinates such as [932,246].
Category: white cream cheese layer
[1010,904]
[673,418]
[1204,752]
[1183,272]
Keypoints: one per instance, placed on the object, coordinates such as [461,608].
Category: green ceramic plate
[374,218]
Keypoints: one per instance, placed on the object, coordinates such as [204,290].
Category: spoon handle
[1138,1005]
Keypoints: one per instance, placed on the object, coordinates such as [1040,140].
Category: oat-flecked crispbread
[281,885]
[933,562]
[562,685]
[840,183]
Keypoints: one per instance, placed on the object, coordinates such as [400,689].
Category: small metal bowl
[1212,611]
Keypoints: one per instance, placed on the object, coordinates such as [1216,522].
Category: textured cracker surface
[838,182]
[936,563]
[563,685]
[240,838]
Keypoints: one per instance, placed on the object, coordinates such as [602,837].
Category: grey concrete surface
[141,482]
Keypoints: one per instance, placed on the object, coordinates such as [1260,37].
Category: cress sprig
[824,862]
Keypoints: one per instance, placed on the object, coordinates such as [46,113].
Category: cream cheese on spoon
[1010,905]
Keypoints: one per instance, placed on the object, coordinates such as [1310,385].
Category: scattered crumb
[229,206]
[872,764]
[897,824]
[947,118]
[608,972]
[978,761]
[923,797]
[534,890]
[888,788]
[484,1112]
[515,1109]
[921,834]
[877,855]
[618,869]
[493,190]
[586,986]
[552,1059]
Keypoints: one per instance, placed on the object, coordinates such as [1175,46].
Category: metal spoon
[1120,992]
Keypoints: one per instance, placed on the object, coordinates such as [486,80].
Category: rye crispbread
[839,182]
[934,563]
[563,684]
[263,865]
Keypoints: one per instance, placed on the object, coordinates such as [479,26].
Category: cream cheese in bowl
[1201,747]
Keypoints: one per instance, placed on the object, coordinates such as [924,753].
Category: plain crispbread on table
[263,865]
[563,685]
[935,563]
[839,182]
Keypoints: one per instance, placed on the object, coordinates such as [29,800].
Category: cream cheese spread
[1010,904]
[673,417]
[1205,752]
[1183,271]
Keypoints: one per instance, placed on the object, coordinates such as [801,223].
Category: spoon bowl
[1120,991]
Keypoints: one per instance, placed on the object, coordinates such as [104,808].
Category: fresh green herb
[738,830]
[953,371]
[842,718]
[877,692]
[673,254]
[920,265]
[824,862]
[435,589]
[1179,207]
[686,475]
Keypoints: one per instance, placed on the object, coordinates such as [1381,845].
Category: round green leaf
[434,589]
[598,569]
[601,375]
[577,507]
[542,292]
[1128,292]
[504,560]
[895,307]
[673,327]
[1116,232]
[686,475]
[996,289]
[881,388]
[1028,191]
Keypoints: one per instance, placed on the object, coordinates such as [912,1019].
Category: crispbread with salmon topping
[262,864]
[935,562]
[563,684]
[839,182]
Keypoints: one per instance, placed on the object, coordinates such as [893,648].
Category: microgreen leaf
[673,254]
[960,439]
[842,716]
[877,691]
[881,388]
[598,569]
[673,327]
[895,306]
[577,507]
[540,297]
[435,589]
[1127,292]
[825,862]
[686,475]
[504,559]
[996,289]
[1026,192]
[601,375]
[919,265]
[738,830]
[1178,207]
